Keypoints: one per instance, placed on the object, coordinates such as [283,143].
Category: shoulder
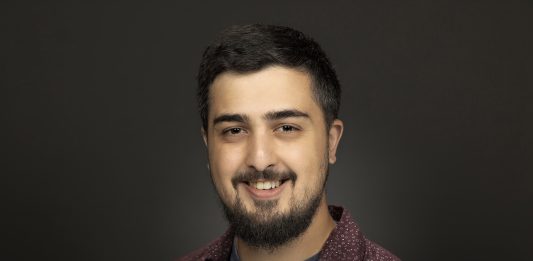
[376,252]
[218,250]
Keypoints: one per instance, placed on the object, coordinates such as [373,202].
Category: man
[269,99]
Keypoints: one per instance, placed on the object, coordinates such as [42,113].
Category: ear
[334,136]
[204,136]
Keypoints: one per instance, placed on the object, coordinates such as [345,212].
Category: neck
[303,247]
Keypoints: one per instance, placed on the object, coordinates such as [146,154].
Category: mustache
[250,176]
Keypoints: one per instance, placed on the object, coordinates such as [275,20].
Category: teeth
[266,184]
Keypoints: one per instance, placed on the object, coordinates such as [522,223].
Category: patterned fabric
[346,242]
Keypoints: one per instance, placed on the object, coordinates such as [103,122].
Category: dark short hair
[250,48]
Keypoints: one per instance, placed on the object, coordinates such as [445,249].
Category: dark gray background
[102,157]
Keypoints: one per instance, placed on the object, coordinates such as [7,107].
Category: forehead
[272,88]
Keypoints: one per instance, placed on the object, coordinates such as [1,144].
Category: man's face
[267,142]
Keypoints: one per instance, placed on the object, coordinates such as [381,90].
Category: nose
[260,154]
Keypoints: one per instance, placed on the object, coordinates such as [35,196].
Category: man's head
[269,100]
[250,48]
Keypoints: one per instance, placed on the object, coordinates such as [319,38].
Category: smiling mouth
[266,184]
[265,189]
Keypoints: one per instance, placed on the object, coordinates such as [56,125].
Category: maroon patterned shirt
[346,242]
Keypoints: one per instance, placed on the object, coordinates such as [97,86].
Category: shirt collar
[346,240]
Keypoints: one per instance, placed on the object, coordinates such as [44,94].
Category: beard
[266,227]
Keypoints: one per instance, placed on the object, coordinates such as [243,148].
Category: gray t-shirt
[235,256]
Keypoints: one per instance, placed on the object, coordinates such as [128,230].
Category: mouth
[265,189]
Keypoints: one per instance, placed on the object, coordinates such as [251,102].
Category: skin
[299,143]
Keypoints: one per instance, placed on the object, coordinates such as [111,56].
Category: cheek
[306,159]
[224,163]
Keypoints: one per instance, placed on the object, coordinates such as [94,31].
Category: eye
[233,131]
[287,128]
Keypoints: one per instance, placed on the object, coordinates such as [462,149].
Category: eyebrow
[270,116]
[283,114]
[230,118]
